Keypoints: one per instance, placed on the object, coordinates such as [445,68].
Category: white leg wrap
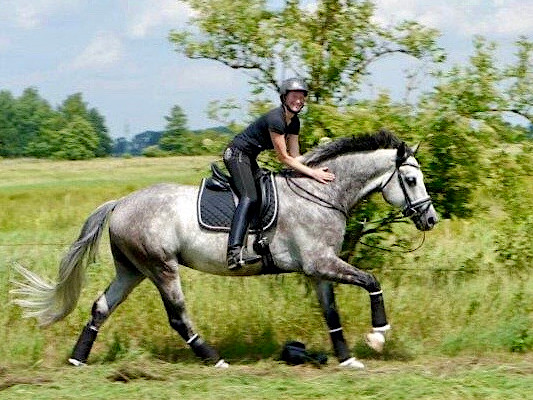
[192,339]
[221,364]
[382,329]
[352,363]
[75,362]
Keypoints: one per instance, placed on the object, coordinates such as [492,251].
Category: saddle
[216,205]
[217,201]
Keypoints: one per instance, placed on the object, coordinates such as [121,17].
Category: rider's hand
[323,175]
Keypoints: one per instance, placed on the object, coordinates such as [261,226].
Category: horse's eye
[411,180]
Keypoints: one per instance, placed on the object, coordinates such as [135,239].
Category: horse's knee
[100,311]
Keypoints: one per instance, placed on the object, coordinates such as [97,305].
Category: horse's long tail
[49,302]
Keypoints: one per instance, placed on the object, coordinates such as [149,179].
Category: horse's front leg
[331,268]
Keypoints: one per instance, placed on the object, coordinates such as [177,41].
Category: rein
[313,197]
[397,251]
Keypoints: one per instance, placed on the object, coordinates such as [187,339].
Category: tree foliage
[174,137]
[178,139]
[483,89]
[331,46]
[29,126]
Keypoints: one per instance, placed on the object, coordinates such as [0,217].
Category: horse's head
[405,188]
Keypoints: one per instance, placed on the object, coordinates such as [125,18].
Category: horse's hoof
[75,362]
[221,364]
[352,363]
[376,341]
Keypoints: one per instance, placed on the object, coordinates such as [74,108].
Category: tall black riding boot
[237,255]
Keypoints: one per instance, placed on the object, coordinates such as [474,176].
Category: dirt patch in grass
[9,380]
[127,373]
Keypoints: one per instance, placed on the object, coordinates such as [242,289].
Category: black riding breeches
[242,169]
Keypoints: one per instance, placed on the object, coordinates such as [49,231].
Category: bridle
[412,208]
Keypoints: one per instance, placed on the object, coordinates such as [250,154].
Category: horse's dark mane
[382,139]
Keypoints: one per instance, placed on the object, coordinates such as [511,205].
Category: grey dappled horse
[154,231]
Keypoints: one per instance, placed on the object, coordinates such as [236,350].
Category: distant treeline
[209,140]
[31,127]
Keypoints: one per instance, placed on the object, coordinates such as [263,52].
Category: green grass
[449,303]
[465,378]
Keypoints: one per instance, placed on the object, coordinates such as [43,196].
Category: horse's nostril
[431,221]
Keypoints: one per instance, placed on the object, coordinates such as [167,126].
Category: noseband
[412,208]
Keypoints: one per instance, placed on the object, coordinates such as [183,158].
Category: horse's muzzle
[422,213]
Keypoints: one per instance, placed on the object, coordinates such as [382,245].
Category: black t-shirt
[256,137]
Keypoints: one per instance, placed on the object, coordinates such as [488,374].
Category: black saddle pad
[215,207]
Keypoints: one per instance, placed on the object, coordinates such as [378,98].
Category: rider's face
[295,101]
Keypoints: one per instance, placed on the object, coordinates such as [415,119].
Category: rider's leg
[242,169]
[237,257]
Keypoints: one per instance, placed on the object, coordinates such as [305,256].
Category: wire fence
[466,270]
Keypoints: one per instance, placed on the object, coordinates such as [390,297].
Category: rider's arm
[280,146]
[293,145]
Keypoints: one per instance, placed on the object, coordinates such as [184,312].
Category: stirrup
[238,258]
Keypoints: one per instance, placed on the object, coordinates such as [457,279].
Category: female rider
[277,129]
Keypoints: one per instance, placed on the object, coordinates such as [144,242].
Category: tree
[8,130]
[331,46]
[31,113]
[105,143]
[173,139]
[484,90]
[76,141]
[464,117]
[73,107]
[29,126]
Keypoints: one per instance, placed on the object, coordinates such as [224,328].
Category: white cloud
[153,14]
[103,51]
[32,14]
[488,17]
[512,18]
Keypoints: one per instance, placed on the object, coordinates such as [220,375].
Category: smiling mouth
[297,106]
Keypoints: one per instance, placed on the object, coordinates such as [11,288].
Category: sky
[117,53]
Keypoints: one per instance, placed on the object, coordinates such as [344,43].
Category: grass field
[462,323]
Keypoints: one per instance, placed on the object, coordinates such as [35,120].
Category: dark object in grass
[295,353]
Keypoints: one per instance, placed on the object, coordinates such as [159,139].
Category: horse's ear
[401,154]
[415,148]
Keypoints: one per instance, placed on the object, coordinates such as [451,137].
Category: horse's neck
[356,176]
[359,174]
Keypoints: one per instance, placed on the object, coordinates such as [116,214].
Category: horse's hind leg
[174,302]
[126,279]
